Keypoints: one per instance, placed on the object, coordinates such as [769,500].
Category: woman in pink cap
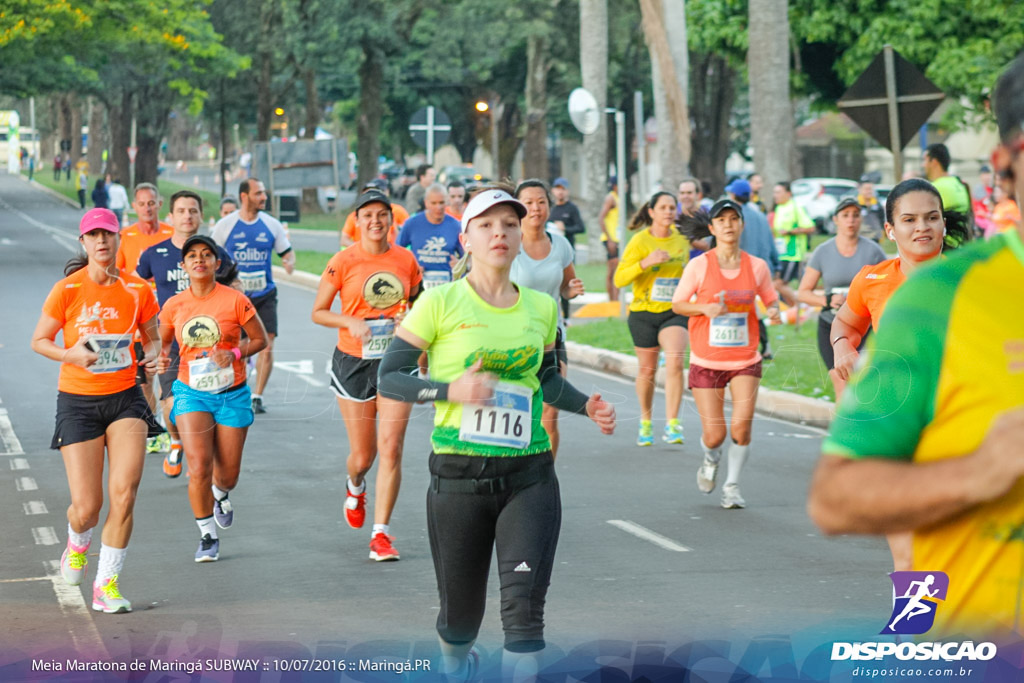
[99,405]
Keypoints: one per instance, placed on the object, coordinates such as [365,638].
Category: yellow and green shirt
[954,194]
[460,328]
[947,359]
[791,216]
[653,287]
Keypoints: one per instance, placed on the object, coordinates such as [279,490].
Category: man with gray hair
[433,237]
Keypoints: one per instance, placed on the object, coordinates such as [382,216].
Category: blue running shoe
[209,549]
[673,433]
[223,514]
[645,437]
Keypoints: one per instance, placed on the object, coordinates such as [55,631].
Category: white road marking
[26,484]
[45,535]
[303,369]
[648,535]
[19,464]
[31,578]
[62,237]
[35,507]
[83,631]
[11,444]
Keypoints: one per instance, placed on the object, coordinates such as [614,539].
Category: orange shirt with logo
[398,218]
[134,242]
[85,308]
[370,286]
[204,324]
[872,287]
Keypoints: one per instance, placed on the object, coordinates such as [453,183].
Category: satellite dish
[583,111]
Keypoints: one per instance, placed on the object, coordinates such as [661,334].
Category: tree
[669,66]
[594,69]
[771,114]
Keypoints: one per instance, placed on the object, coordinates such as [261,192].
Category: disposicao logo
[917,593]
[917,599]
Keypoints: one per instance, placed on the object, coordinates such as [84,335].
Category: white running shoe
[731,498]
[706,475]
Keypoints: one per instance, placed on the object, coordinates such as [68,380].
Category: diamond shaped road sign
[867,101]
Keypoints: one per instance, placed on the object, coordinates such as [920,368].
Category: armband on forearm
[398,378]
[557,390]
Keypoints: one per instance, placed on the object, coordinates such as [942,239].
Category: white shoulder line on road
[648,535]
[26,484]
[689,397]
[83,631]
[62,237]
[19,464]
[11,444]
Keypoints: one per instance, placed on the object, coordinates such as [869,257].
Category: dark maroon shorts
[705,378]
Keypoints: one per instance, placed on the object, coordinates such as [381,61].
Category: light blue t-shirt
[251,245]
[546,274]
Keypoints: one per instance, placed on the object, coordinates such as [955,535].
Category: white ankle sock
[355,490]
[79,540]
[380,529]
[218,494]
[737,456]
[207,526]
[111,562]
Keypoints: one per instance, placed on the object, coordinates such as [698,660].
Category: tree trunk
[75,105]
[594,70]
[264,60]
[49,143]
[120,115]
[179,134]
[309,200]
[771,113]
[223,129]
[670,71]
[535,154]
[97,136]
[714,94]
[371,104]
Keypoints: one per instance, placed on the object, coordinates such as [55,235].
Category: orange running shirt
[398,218]
[371,286]
[110,313]
[134,242]
[202,325]
[872,287]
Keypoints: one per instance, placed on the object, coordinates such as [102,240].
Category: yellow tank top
[611,221]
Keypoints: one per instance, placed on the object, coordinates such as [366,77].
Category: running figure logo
[913,611]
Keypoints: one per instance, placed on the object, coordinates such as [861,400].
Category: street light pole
[494,139]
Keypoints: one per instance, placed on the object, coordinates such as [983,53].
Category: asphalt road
[294,580]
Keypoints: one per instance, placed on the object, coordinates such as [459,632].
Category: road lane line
[648,535]
[26,484]
[62,237]
[82,629]
[35,507]
[45,535]
[11,444]
[303,369]
[32,578]
[19,464]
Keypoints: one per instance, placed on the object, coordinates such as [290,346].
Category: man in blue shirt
[433,237]
[251,236]
[161,263]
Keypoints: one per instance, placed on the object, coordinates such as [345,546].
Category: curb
[39,186]
[783,405]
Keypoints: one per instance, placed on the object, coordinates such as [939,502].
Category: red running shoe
[381,548]
[355,509]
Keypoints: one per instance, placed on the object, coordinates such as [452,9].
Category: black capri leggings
[473,504]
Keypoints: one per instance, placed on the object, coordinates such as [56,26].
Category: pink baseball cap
[99,219]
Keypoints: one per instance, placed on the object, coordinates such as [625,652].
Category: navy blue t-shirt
[162,264]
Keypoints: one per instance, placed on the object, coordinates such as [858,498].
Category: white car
[820,196]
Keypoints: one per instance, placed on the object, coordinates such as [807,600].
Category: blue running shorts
[231,408]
